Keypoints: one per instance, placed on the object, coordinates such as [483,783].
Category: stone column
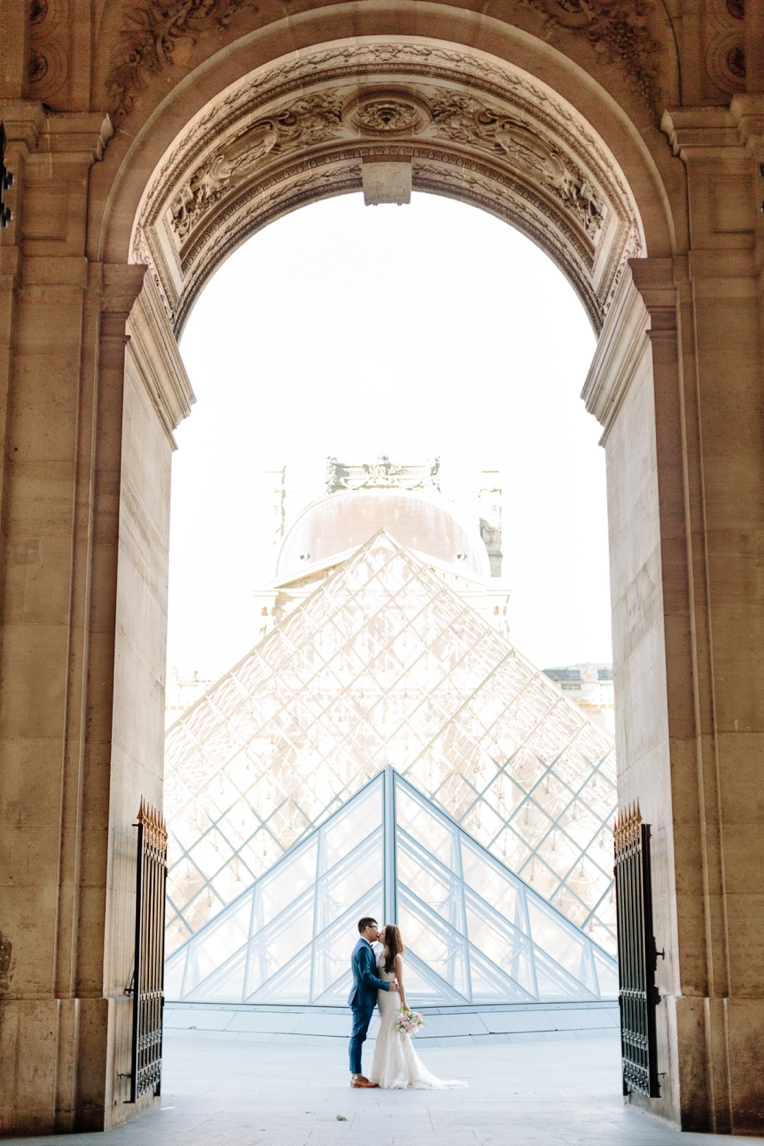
[677,384]
[67,798]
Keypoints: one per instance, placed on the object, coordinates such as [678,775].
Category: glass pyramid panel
[475,932]
[385,664]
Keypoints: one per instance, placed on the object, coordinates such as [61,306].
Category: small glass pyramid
[386,664]
[475,932]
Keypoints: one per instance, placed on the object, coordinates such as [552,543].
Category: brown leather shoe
[364,1084]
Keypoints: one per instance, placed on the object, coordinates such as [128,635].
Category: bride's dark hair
[391,937]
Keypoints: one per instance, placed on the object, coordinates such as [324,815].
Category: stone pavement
[224,1092]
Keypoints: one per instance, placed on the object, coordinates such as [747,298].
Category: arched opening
[413,363]
[423,385]
[386,118]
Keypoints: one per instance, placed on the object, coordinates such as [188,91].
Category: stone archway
[465,126]
[592,129]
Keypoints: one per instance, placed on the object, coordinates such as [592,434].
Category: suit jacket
[365,982]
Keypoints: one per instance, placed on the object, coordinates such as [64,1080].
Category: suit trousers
[361,1020]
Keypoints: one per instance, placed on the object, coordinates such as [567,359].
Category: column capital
[23,121]
[118,285]
[29,125]
[76,132]
[748,111]
[656,281]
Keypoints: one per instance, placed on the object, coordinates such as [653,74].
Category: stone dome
[343,521]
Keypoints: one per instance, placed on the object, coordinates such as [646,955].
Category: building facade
[590,686]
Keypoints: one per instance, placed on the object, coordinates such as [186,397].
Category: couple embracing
[378,980]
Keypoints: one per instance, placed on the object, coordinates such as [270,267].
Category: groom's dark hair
[367,921]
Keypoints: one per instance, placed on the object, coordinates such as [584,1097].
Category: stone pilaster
[684,434]
[63,334]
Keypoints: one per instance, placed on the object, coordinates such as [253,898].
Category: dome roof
[342,522]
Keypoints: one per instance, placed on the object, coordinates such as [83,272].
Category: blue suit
[362,998]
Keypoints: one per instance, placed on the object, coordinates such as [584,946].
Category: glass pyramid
[475,932]
[385,664]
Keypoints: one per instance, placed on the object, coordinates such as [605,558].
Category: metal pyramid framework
[475,932]
[385,664]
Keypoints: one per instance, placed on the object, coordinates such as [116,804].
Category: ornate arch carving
[473,128]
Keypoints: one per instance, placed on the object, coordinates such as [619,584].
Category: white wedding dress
[396,1065]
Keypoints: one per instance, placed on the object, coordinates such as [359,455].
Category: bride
[396,1065]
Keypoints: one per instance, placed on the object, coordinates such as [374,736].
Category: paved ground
[224,1092]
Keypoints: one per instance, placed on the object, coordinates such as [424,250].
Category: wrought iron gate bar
[637,954]
[148,993]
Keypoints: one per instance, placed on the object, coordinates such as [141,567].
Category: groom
[363,996]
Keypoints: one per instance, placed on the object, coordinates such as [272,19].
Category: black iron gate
[148,982]
[6,182]
[637,954]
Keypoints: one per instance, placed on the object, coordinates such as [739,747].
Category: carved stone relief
[725,50]
[472,128]
[465,120]
[348,61]
[438,114]
[305,123]
[387,114]
[156,36]
[618,30]
[48,61]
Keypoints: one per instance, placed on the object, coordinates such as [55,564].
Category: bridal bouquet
[409,1022]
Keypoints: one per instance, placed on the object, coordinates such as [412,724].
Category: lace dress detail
[396,1064]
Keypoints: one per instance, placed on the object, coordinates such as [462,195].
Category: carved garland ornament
[311,120]
[156,36]
[618,30]
[385,114]
[465,120]
[470,127]
[532,101]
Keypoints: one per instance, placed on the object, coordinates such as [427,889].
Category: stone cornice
[703,131]
[29,124]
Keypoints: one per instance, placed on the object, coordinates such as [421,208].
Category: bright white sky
[416,331]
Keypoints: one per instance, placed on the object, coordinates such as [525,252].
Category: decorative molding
[725,60]
[157,36]
[153,354]
[48,59]
[472,128]
[381,474]
[619,32]
[360,61]
[311,120]
[387,114]
[620,352]
[725,44]
[465,120]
